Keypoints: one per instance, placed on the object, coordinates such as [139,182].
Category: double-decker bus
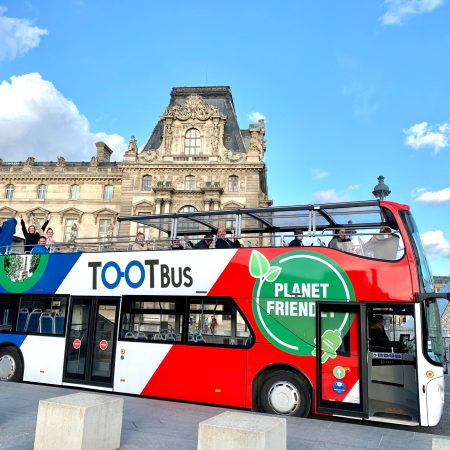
[343,320]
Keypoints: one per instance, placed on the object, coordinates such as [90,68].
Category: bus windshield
[434,343]
[426,279]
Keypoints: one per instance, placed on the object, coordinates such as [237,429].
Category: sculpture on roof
[193,108]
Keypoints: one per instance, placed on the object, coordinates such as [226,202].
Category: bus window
[391,328]
[216,322]
[152,320]
[41,314]
[6,315]
[433,333]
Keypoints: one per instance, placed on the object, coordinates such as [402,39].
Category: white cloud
[330,196]
[354,187]
[423,135]
[441,196]
[319,174]
[17,36]
[37,120]
[417,191]
[397,10]
[254,116]
[435,243]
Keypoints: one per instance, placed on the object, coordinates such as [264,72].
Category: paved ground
[162,425]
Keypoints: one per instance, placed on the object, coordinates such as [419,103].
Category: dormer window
[192,142]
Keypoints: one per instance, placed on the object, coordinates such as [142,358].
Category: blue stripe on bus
[16,339]
[58,267]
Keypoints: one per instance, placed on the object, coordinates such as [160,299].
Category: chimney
[103,152]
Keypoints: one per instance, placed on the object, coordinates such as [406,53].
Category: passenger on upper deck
[223,242]
[298,241]
[139,243]
[51,245]
[205,242]
[176,244]
[40,246]
[7,230]
[340,241]
[384,245]
[31,235]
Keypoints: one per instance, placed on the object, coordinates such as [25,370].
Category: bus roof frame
[265,220]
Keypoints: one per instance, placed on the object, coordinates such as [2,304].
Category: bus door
[90,348]
[341,371]
[392,363]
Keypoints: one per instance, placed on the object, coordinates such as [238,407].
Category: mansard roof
[219,97]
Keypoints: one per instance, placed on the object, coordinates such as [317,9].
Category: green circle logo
[339,372]
[285,295]
[19,273]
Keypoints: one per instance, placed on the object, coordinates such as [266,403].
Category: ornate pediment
[193,108]
[105,212]
[70,212]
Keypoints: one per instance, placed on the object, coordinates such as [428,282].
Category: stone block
[440,444]
[242,431]
[79,422]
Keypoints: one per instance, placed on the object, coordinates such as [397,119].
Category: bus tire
[284,393]
[10,364]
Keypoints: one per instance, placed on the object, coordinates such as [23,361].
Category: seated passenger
[139,243]
[223,242]
[377,333]
[176,244]
[298,241]
[40,247]
[384,245]
[205,242]
[340,241]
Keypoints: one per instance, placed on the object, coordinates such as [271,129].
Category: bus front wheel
[285,393]
[10,364]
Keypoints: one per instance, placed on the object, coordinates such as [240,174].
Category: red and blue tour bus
[344,321]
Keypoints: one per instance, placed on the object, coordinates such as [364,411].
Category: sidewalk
[163,425]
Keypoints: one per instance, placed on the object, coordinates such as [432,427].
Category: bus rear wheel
[285,393]
[10,364]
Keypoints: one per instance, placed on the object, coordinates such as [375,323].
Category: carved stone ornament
[148,155]
[29,161]
[61,161]
[132,145]
[194,108]
[234,156]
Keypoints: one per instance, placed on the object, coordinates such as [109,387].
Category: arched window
[233,183]
[192,142]
[188,208]
[42,190]
[187,226]
[147,183]
[9,192]
[74,192]
[108,192]
[189,183]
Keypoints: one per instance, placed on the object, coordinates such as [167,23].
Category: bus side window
[217,322]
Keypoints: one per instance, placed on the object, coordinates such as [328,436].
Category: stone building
[196,158]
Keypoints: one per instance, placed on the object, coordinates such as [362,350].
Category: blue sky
[350,90]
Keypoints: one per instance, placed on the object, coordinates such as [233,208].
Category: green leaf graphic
[273,274]
[259,265]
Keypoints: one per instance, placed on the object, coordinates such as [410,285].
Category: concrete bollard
[79,422]
[242,431]
[440,444]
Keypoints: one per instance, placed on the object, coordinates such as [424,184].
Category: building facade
[196,158]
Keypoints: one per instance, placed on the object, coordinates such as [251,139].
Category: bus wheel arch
[283,390]
[11,363]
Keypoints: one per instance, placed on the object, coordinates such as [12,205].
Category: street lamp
[381,190]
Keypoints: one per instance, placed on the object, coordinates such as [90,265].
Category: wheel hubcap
[7,367]
[284,397]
